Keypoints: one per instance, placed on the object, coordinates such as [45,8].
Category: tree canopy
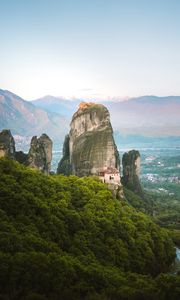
[68,238]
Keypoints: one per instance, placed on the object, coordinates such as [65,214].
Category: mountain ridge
[24,118]
[150,116]
[145,115]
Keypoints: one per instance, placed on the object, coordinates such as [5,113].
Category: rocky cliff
[90,146]
[64,166]
[40,153]
[131,162]
[7,144]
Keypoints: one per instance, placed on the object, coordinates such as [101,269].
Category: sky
[90,49]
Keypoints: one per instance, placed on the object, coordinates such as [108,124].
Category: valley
[160,179]
[160,165]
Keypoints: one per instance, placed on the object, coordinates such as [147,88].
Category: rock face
[40,153]
[64,166]
[131,162]
[7,144]
[90,147]
[39,156]
[21,157]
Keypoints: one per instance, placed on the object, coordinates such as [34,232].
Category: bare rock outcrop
[90,147]
[131,162]
[40,153]
[7,144]
[64,166]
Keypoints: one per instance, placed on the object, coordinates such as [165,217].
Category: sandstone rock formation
[131,170]
[64,166]
[7,144]
[40,153]
[90,148]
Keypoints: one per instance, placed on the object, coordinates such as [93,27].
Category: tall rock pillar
[131,162]
[90,146]
[40,153]
[7,144]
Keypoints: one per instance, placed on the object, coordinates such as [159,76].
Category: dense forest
[163,209]
[67,238]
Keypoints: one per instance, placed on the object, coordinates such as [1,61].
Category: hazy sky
[90,48]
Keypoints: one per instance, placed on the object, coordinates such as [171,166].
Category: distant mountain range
[147,115]
[65,107]
[143,116]
[25,119]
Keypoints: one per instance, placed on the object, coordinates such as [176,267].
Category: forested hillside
[68,238]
